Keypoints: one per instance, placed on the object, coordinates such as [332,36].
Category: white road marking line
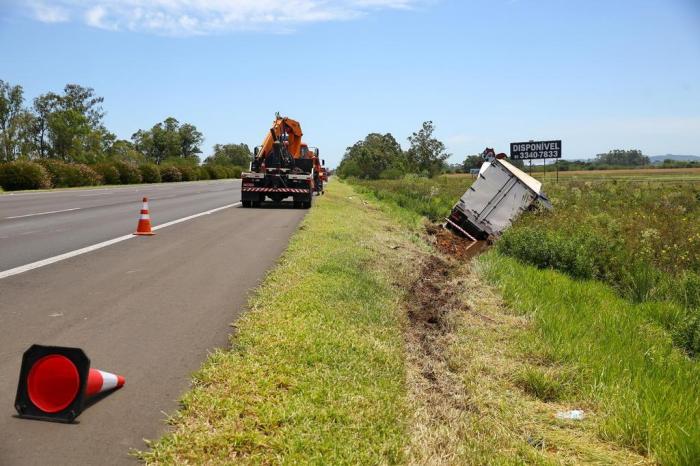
[30,232]
[94,247]
[184,219]
[43,213]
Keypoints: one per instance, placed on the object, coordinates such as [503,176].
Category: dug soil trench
[433,301]
[453,246]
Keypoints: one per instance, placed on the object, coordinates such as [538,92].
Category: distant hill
[680,158]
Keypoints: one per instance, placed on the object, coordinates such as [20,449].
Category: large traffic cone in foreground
[144,226]
[55,382]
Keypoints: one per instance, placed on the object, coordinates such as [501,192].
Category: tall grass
[641,238]
[429,197]
[611,280]
[647,392]
[644,240]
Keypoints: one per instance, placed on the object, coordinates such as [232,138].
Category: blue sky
[597,74]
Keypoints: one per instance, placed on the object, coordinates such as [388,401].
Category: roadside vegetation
[316,370]
[61,141]
[642,239]
[595,349]
[611,302]
[381,350]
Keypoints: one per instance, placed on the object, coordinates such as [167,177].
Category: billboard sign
[535,150]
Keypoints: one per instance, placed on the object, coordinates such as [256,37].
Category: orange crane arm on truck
[281,126]
[278,170]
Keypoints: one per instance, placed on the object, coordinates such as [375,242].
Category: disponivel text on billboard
[535,150]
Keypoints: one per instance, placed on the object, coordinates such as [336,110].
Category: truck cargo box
[499,195]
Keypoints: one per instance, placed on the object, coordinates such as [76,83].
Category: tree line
[381,156]
[69,126]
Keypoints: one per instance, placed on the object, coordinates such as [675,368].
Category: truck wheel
[245,204]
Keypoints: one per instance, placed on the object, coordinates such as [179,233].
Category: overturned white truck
[499,195]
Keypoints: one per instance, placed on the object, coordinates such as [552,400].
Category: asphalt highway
[148,308]
[34,226]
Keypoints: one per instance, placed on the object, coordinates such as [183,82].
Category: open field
[628,172]
[642,239]
[639,174]
[607,291]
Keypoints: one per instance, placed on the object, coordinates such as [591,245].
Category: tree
[169,140]
[26,140]
[67,130]
[472,161]
[11,100]
[230,154]
[426,154]
[190,141]
[125,151]
[43,106]
[622,157]
[84,101]
[372,156]
[69,126]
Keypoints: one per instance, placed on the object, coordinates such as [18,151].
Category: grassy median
[316,368]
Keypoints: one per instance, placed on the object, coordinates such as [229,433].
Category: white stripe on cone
[109,381]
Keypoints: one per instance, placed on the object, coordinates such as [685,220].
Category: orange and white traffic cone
[56,382]
[144,226]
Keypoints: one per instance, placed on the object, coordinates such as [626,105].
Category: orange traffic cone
[144,226]
[56,383]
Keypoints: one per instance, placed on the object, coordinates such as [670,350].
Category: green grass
[432,198]
[641,238]
[646,391]
[316,369]
[613,332]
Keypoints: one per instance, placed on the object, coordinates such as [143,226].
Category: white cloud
[194,17]
[49,13]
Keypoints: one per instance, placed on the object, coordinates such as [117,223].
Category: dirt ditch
[454,246]
[434,305]
[438,394]
[432,298]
